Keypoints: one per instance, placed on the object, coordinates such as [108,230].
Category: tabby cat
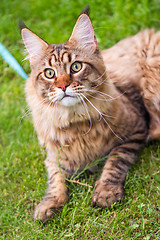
[84,110]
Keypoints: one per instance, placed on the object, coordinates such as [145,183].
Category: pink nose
[63,86]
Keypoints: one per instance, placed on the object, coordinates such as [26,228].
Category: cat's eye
[76,67]
[49,73]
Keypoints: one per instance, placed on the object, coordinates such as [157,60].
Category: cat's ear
[83,33]
[35,46]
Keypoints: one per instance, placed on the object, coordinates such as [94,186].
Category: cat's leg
[56,194]
[109,188]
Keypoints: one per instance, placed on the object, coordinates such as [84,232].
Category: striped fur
[82,115]
[136,60]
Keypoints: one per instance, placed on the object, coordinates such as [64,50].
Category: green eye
[76,67]
[49,73]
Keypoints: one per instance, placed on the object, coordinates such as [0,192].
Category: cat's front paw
[106,194]
[46,210]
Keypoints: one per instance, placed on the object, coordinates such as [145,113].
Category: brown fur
[136,60]
[98,118]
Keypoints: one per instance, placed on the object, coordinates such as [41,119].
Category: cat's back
[136,61]
[125,59]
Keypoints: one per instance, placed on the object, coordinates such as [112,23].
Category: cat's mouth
[67,95]
[68,100]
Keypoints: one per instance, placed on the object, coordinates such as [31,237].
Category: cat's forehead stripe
[69,57]
[60,54]
[50,62]
[58,50]
[55,57]
[65,57]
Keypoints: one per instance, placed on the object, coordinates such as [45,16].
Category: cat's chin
[69,101]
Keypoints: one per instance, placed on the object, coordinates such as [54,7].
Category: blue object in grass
[12,61]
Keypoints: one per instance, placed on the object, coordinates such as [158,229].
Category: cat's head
[68,73]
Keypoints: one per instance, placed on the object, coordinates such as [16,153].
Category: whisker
[86,109]
[100,83]
[101,99]
[42,115]
[100,76]
[104,94]
[101,114]
[53,97]
[28,112]
[99,93]
[54,109]
[97,98]
[111,129]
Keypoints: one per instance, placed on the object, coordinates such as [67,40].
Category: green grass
[23,175]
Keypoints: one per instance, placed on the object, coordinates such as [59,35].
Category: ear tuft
[86,10]
[21,25]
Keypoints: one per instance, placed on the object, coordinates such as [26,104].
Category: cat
[87,104]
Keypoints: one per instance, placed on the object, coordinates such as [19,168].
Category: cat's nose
[63,86]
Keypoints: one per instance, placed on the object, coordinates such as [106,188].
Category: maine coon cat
[88,111]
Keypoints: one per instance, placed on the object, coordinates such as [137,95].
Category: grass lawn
[23,175]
